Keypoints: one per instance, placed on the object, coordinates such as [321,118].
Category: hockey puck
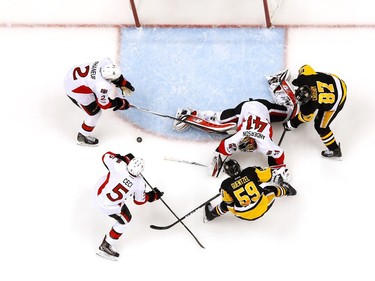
[139,139]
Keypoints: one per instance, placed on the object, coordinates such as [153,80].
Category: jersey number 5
[118,190]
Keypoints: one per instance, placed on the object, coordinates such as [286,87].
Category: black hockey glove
[122,82]
[129,86]
[119,104]
[154,195]
[127,158]
[288,126]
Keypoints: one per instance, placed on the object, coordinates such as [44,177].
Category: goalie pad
[205,120]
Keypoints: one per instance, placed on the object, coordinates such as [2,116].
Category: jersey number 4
[255,124]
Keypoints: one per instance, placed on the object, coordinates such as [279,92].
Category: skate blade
[106,256]
[86,144]
[333,158]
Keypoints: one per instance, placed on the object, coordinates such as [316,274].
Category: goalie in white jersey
[90,86]
[123,181]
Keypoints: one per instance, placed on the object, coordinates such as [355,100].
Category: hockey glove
[125,158]
[288,126]
[120,104]
[154,195]
[280,175]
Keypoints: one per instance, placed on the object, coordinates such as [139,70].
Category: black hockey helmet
[232,168]
[303,94]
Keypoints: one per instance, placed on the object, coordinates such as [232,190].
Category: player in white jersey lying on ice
[252,123]
[90,86]
[123,181]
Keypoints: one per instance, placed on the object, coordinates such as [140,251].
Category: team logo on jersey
[232,147]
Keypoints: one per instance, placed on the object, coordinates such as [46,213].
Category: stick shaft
[196,239]
[184,217]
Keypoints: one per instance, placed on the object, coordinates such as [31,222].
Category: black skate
[208,215]
[333,154]
[290,191]
[87,140]
[106,251]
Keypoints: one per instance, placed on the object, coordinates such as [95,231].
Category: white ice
[49,227]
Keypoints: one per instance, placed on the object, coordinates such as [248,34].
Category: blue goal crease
[200,68]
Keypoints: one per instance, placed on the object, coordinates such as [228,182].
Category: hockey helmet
[247,144]
[303,94]
[306,70]
[110,72]
[136,166]
[232,168]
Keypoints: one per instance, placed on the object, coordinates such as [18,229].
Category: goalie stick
[184,217]
[184,161]
[193,163]
[229,132]
[153,189]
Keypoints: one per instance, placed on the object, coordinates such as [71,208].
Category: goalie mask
[232,168]
[247,144]
[110,72]
[303,94]
[136,166]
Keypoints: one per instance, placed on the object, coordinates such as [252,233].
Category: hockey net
[271,8]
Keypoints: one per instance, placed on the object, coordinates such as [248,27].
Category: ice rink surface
[50,228]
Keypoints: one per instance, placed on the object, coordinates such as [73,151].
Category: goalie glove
[280,175]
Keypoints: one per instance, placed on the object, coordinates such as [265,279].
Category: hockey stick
[180,120]
[188,214]
[282,137]
[196,239]
[184,161]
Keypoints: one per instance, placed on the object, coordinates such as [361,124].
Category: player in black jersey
[322,92]
[243,195]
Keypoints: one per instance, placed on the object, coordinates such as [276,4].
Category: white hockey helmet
[136,166]
[110,72]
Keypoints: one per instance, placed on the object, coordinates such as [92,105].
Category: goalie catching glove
[280,175]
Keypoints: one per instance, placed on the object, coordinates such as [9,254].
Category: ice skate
[87,140]
[106,251]
[207,214]
[333,154]
[290,191]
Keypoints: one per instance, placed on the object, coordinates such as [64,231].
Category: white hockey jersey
[84,83]
[118,185]
[254,122]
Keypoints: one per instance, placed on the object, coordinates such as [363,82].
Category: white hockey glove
[288,126]
[280,175]
[214,168]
